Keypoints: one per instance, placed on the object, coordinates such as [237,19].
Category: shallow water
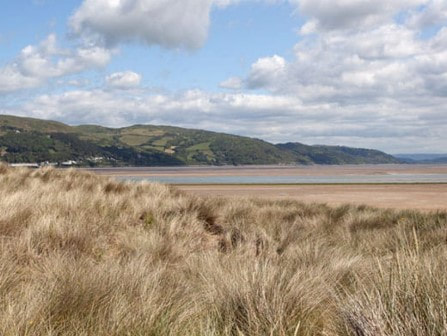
[318,174]
[291,179]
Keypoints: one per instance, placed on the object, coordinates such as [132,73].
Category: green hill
[338,154]
[34,140]
[8,122]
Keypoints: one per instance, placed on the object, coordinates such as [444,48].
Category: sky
[361,73]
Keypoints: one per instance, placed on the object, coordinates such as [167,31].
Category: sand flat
[399,196]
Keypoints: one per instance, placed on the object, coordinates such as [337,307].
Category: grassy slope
[164,145]
[195,146]
[84,255]
[31,124]
[338,154]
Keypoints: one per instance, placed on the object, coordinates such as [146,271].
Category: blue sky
[237,37]
[367,73]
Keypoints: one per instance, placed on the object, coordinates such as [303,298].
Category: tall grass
[85,255]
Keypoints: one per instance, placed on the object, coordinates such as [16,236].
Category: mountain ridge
[36,140]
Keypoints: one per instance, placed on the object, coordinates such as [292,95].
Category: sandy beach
[414,196]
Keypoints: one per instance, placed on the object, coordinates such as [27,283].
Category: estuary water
[353,179]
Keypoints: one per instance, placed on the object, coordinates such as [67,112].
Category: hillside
[338,154]
[32,140]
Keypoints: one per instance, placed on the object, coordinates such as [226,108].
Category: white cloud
[36,64]
[124,80]
[168,23]
[232,83]
[388,61]
[433,13]
[350,14]
[75,82]
[265,71]
[226,3]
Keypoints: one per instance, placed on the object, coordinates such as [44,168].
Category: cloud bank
[35,65]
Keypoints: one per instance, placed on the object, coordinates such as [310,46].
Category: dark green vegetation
[338,154]
[32,140]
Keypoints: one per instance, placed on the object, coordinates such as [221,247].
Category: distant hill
[336,155]
[439,160]
[423,158]
[33,140]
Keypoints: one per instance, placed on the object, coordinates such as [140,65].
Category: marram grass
[85,255]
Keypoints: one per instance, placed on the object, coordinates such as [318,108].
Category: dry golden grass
[85,255]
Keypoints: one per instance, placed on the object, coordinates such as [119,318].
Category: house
[26,165]
[68,163]
[48,164]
